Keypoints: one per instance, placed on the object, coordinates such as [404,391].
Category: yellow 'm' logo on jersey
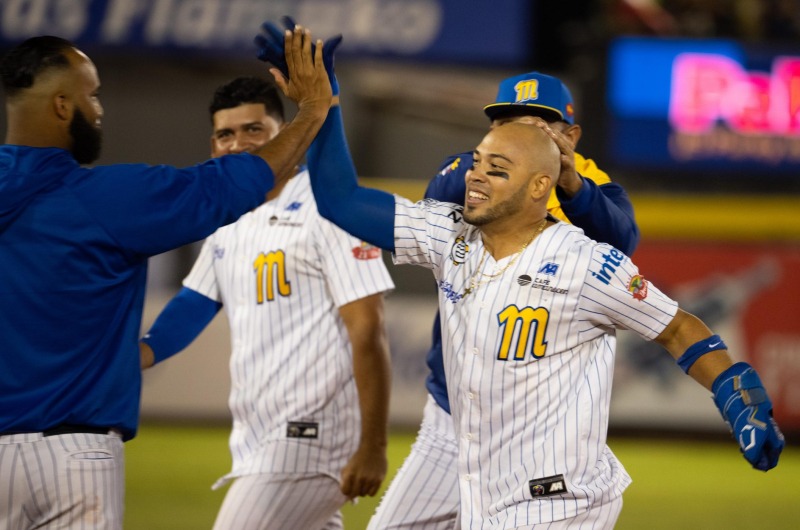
[270,269]
[523,331]
[528,89]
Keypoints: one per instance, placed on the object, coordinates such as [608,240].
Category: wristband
[698,349]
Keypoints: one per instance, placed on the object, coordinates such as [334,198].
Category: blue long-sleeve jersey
[74,244]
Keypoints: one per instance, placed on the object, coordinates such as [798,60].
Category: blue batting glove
[271,48]
[744,404]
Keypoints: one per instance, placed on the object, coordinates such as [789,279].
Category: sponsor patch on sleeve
[638,287]
[366,251]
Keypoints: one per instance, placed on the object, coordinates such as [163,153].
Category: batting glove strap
[745,406]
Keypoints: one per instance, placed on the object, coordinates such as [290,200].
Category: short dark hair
[21,66]
[244,90]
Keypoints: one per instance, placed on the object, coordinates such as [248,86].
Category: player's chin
[473,216]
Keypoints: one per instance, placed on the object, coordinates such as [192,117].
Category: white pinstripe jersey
[529,360]
[281,271]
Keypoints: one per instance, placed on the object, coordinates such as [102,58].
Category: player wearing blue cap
[424,494]
[530,307]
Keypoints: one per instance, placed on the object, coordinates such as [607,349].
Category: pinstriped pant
[282,502]
[73,481]
[598,517]
[424,493]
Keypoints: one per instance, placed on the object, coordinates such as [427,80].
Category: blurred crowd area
[776,21]
[581,28]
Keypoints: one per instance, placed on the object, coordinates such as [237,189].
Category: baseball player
[424,493]
[529,310]
[74,244]
[309,363]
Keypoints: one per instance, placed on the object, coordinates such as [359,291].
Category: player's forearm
[284,152]
[363,212]
[372,372]
[179,323]
[682,333]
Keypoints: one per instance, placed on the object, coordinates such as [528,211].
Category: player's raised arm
[309,87]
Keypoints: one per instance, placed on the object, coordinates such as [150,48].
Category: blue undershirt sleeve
[366,213]
[180,322]
[605,214]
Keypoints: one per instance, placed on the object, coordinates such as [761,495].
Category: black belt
[75,429]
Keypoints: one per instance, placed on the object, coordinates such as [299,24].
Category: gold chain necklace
[486,278]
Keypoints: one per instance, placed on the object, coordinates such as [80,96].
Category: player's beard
[86,139]
[510,206]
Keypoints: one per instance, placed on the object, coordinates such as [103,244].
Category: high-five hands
[306,81]
[271,48]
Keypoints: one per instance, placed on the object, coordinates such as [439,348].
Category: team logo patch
[294,206]
[366,251]
[451,167]
[549,268]
[544,487]
[302,429]
[638,287]
[459,251]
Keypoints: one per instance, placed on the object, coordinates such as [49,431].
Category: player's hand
[146,356]
[747,409]
[568,180]
[364,473]
[270,45]
[307,84]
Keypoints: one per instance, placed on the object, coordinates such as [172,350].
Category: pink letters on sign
[708,88]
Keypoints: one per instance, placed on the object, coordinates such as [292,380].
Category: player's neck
[502,242]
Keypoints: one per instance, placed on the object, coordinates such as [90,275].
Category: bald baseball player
[74,244]
[424,493]
[530,307]
[310,368]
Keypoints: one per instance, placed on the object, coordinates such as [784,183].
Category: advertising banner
[498,33]
[704,105]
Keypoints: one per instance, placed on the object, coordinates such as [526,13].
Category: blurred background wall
[692,105]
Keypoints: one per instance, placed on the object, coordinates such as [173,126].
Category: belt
[75,429]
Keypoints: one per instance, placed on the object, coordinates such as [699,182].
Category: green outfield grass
[677,484]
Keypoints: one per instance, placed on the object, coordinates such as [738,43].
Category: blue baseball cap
[535,94]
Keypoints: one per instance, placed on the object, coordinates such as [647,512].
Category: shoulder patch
[366,251]
[638,287]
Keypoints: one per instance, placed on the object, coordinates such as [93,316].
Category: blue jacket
[74,244]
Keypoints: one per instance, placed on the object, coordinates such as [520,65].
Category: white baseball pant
[282,502]
[424,493]
[62,481]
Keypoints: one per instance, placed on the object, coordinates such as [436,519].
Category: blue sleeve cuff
[180,322]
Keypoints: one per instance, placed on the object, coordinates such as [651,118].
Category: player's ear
[573,132]
[540,186]
[62,107]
